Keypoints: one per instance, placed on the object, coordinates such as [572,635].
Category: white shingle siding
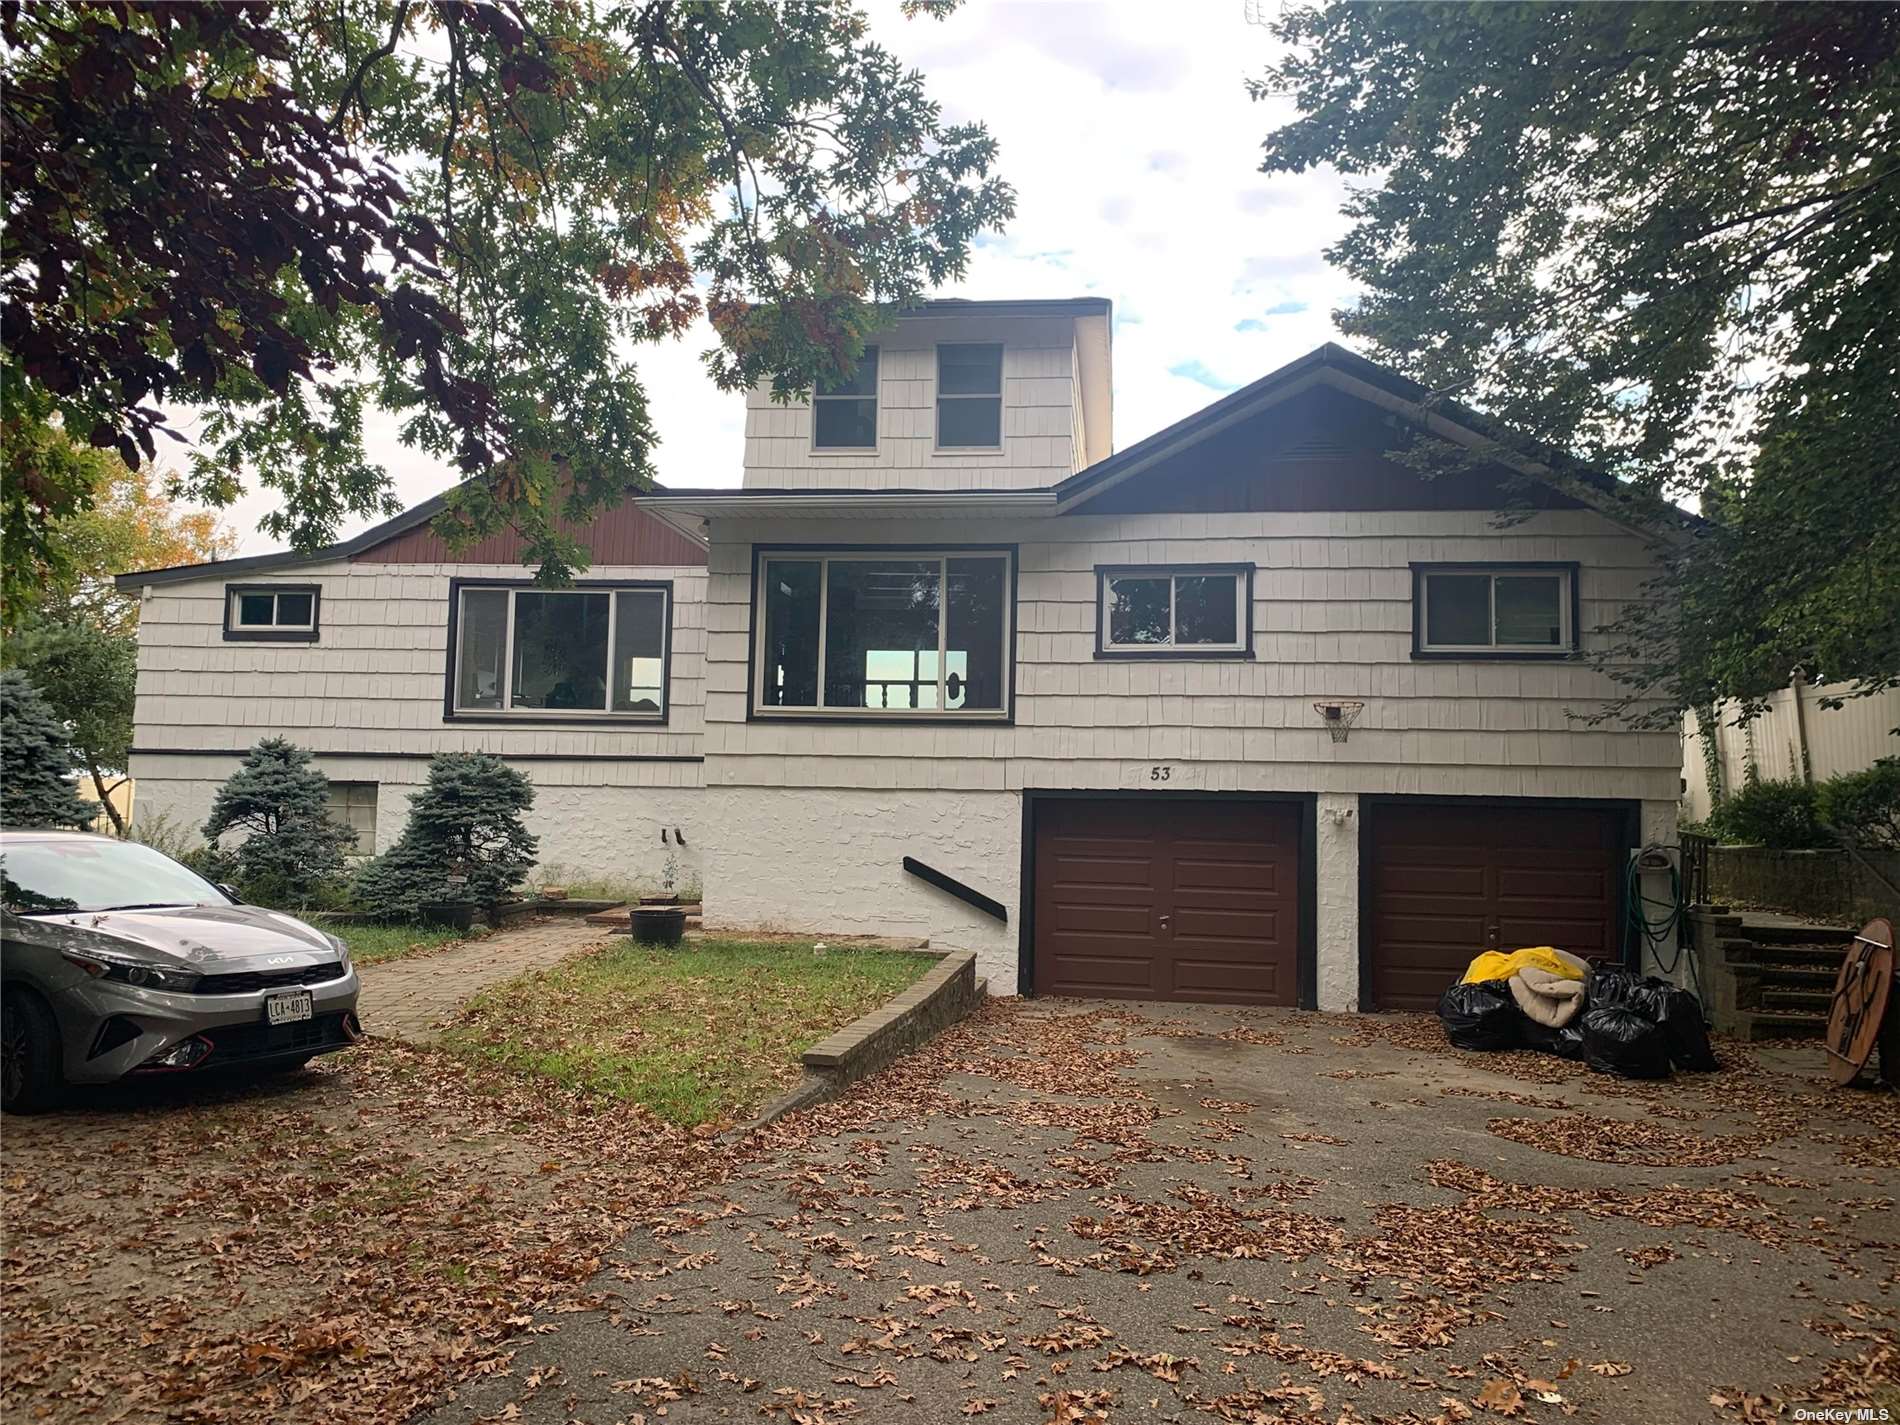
[1041,417]
[373,680]
[1332,619]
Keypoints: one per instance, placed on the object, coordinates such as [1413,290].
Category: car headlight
[141,973]
[338,944]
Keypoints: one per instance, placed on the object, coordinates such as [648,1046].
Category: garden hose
[1666,928]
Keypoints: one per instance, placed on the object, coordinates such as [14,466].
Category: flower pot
[659,925]
[456,915]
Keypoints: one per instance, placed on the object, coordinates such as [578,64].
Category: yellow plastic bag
[1502,964]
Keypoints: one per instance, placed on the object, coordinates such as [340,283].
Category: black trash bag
[1565,1043]
[1616,989]
[1685,1031]
[1678,1012]
[1481,1016]
[1622,1041]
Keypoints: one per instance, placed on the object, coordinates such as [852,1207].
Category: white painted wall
[1042,416]
[595,822]
[1336,904]
[831,861]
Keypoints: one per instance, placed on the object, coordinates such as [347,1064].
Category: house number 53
[1161,774]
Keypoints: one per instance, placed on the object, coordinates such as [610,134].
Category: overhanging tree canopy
[283,215]
[1662,237]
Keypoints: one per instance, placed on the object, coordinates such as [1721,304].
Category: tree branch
[355,85]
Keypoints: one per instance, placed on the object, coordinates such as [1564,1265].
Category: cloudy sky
[1134,149]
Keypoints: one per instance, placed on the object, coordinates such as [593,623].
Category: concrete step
[618,915]
[1783,955]
[1784,977]
[1783,1026]
[1779,1001]
[1798,933]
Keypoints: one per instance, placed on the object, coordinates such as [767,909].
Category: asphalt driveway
[1065,1211]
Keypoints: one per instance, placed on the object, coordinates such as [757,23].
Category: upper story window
[1494,610]
[844,415]
[594,651]
[1184,611]
[970,397]
[271,613]
[892,633]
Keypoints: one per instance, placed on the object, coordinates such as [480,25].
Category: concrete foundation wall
[596,821]
[831,861]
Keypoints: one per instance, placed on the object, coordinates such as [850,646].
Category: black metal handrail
[969,895]
[1695,868]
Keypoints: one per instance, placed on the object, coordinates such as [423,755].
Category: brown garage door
[1141,899]
[1449,882]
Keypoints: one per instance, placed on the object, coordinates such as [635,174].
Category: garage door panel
[1131,923]
[1236,936]
[1429,880]
[1220,982]
[1441,876]
[1105,976]
[1168,899]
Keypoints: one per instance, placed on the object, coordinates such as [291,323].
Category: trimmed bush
[282,802]
[465,842]
[1864,806]
[1780,815]
[35,785]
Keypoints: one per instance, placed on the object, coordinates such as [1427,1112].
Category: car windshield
[48,877]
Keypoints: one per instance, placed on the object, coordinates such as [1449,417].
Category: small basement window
[555,654]
[1192,611]
[1496,610]
[885,635]
[271,613]
[353,804]
[844,414]
[970,397]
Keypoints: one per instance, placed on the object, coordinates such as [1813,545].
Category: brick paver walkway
[409,998]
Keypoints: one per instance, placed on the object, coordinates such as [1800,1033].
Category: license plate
[287,1009]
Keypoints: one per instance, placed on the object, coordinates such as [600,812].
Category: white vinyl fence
[1849,738]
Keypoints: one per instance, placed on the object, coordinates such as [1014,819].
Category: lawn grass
[702,1034]
[373,944]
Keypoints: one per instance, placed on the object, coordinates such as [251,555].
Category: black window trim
[874,351]
[1570,569]
[826,717]
[493,718]
[936,416]
[235,634]
[1174,652]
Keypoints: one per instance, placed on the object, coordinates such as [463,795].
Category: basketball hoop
[1339,717]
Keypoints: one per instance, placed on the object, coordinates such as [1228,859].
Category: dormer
[956,395]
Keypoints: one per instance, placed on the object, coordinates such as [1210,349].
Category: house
[1248,711]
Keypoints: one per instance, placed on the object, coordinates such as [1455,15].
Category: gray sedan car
[116,960]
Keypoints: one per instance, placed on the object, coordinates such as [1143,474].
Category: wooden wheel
[1861,994]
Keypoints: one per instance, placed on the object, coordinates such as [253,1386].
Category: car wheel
[30,1079]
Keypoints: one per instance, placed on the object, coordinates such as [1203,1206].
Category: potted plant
[659,924]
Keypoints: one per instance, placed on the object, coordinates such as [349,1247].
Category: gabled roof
[1332,365]
[288,559]
[350,548]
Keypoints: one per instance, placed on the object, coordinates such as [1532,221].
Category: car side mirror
[230,891]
